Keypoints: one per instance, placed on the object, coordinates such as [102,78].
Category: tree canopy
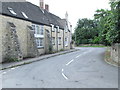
[103,29]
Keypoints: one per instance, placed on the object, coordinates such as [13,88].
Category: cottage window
[39,34]
[58,29]
[52,28]
[55,29]
[39,30]
[39,42]
[66,29]
[53,40]
[59,40]
[66,41]
[33,27]
[12,11]
[42,30]
[24,15]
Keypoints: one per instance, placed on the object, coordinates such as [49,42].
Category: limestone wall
[54,34]
[32,50]
[60,34]
[0,39]
[21,31]
[67,34]
[115,53]
[48,40]
[24,40]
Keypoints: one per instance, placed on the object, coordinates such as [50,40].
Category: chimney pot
[42,4]
[47,7]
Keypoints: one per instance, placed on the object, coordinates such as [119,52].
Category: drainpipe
[57,38]
[63,39]
[51,36]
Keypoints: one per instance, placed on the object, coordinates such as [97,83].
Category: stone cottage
[28,31]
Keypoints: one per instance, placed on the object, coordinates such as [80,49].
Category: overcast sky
[76,8]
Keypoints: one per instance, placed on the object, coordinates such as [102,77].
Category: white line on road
[62,70]
[70,62]
[4,72]
[64,76]
[12,68]
[78,56]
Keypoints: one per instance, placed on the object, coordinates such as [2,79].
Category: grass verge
[93,46]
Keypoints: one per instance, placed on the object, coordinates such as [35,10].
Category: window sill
[66,45]
[39,36]
[41,47]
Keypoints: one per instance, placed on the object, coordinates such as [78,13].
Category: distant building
[29,31]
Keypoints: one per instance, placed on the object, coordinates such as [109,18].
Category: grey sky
[76,8]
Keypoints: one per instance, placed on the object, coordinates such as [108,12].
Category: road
[85,68]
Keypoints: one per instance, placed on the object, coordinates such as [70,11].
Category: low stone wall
[115,53]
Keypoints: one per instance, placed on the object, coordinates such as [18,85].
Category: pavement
[84,68]
[31,60]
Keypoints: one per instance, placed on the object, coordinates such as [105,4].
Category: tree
[85,31]
[104,29]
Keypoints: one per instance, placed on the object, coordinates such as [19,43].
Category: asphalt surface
[85,68]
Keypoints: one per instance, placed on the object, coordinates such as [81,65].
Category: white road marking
[12,68]
[62,70]
[70,62]
[8,71]
[78,56]
[4,72]
[64,76]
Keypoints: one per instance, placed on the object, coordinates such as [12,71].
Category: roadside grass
[93,46]
[108,57]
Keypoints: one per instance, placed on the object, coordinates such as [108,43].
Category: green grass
[92,46]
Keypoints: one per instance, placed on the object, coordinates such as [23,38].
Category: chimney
[47,7]
[42,4]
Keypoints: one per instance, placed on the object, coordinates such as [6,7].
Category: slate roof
[35,14]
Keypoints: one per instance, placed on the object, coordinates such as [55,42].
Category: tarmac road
[85,68]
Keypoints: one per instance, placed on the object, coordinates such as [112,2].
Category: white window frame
[58,29]
[38,30]
[59,40]
[66,41]
[52,28]
[55,29]
[40,42]
[53,40]
[12,11]
[39,35]
[66,29]
[23,13]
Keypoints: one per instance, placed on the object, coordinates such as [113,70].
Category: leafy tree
[85,31]
[104,29]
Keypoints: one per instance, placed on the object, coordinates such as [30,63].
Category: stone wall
[0,39]
[115,53]
[48,40]
[11,44]
[67,34]
[21,32]
[54,34]
[17,40]
[60,34]
[16,36]
[31,44]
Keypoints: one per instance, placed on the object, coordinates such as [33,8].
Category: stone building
[30,31]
